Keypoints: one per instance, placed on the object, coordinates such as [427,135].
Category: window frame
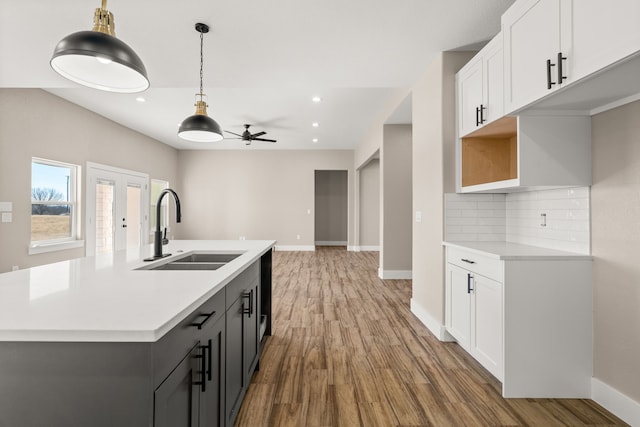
[61,243]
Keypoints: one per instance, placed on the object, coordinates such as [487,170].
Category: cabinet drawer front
[476,263]
[242,283]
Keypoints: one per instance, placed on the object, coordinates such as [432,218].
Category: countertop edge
[506,255]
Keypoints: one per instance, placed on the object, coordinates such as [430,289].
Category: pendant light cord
[201,62]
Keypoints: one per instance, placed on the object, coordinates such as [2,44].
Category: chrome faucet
[157,235]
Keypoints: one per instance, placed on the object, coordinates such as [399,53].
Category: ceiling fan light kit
[200,127]
[98,59]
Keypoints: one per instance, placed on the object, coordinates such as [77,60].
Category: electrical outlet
[418,216]
[15,268]
[308,211]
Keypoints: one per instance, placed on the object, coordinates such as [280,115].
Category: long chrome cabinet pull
[468,261]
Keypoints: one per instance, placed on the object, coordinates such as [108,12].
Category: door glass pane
[105,191]
[134,220]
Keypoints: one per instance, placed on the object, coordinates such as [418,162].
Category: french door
[117,209]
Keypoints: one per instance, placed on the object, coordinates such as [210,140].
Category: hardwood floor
[347,351]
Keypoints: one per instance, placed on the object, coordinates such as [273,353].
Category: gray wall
[433,174]
[331,207]
[34,123]
[369,213]
[396,223]
[256,194]
[615,239]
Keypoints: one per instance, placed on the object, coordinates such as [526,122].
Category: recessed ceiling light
[316,99]
[314,140]
[315,124]
[141,99]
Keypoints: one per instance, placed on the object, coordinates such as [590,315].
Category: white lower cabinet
[526,319]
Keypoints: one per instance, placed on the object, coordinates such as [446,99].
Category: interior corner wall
[433,110]
[615,241]
[35,123]
[396,218]
[370,206]
[331,207]
[257,194]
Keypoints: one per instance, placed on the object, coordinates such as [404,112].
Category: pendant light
[98,59]
[200,127]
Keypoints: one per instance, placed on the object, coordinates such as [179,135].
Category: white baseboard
[352,248]
[286,248]
[394,274]
[366,248]
[436,328]
[331,243]
[613,401]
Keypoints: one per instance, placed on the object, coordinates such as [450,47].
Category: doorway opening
[331,208]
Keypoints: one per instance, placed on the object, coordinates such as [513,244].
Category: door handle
[248,311]
[482,119]
[469,278]
[477,116]
[203,368]
[468,261]
[207,316]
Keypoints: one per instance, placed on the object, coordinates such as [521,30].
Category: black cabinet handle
[477,116]
[203,368]
[248,311]
[468,261]
[208,316]
[561,77]
[469,288]
[209,348]
[549,82]
[482,119]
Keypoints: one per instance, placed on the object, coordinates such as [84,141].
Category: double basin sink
[195,261]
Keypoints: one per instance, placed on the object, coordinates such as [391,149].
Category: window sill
[52,247]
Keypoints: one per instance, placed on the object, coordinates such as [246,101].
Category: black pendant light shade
[99,60]
[200,127]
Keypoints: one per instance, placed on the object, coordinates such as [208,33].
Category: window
[157,185]
[54,209]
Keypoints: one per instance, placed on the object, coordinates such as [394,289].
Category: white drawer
[476,263]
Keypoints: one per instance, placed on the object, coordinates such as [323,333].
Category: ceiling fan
[247,136]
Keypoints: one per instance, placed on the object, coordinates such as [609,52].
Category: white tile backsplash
[516,217]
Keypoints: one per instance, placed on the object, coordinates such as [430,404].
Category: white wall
[615,222]
[256,194]
[34,123]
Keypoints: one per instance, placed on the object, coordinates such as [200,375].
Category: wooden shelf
[491,153]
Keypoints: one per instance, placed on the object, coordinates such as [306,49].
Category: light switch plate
[6,206]
[7,217]
[418,216]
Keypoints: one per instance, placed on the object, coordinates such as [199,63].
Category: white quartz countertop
[516,251]
[105,299]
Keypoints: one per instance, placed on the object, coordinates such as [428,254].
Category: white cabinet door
[602,34]
[469,96]
[531,31]
[493,90]
[487,333]
[458,304]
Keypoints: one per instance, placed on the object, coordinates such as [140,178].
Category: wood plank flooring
[347,351]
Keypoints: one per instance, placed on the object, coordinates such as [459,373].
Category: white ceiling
[264,60]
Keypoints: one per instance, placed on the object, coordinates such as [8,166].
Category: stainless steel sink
[195,261]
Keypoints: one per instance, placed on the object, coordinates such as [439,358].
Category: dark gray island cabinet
[195,375]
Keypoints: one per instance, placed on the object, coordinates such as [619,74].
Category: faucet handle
[165,241]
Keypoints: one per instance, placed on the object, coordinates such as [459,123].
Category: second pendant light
[200,127]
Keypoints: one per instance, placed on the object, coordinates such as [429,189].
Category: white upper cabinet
[531,31]
[480,88]
[602,34]
[552,44]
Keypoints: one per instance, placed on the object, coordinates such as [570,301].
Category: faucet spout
[157,241]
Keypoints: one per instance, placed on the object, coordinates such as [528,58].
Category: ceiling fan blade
[258,134]
[232,138]
[266,140]
[233,133]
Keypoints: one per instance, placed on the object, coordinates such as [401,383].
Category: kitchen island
[107,341]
